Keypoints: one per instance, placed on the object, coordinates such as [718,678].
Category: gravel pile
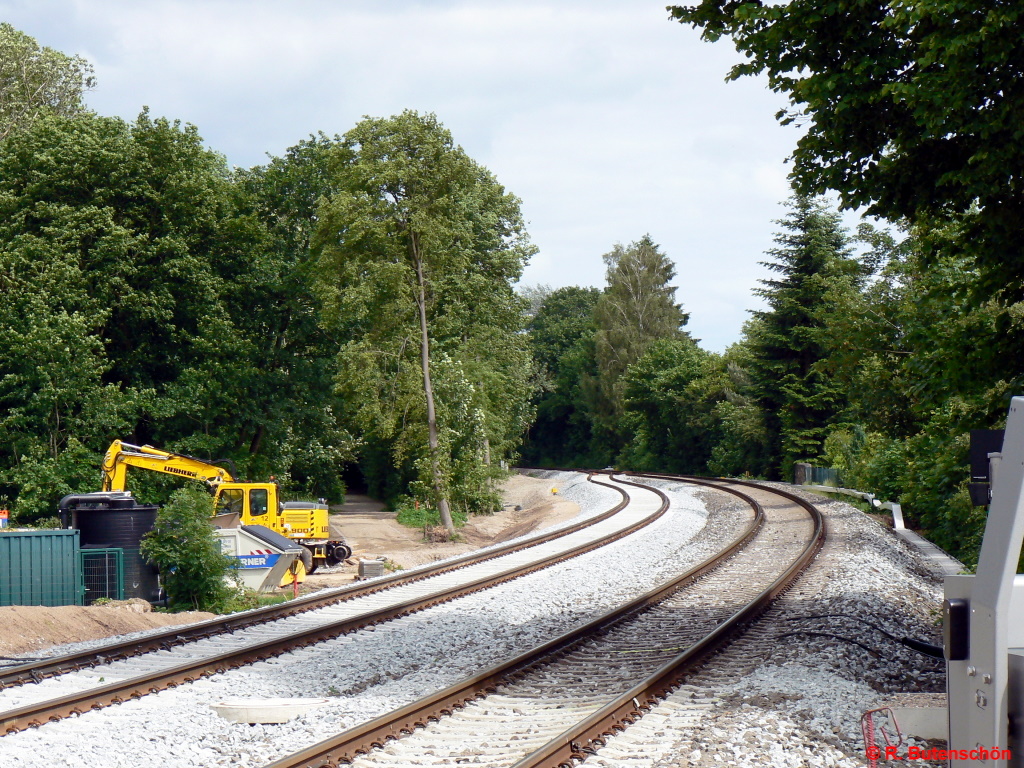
[370,672]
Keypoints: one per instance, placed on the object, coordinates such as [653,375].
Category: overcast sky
[608,120]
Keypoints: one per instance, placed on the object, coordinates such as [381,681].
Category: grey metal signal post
[984,621]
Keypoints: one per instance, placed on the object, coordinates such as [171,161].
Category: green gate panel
[40,568]
[102,574]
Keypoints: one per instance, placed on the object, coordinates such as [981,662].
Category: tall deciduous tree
[798,397]
[668,408]
[637,308]
[284,410]
[420,246]
[35,81]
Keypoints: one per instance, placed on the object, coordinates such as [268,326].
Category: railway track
[36,671]
[603,710]
[110,675]
[555,705]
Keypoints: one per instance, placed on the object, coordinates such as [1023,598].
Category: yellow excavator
[235,502]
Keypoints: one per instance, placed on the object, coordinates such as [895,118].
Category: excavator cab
[253,502]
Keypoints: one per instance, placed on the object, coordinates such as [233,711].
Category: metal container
[39,568]
[115,520]
[263,556]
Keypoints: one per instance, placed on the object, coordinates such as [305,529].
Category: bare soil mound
[28,628]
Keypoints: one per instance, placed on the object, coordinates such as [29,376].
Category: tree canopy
[799,398]
[36,81]
[636,309]
[148,297]
[420,247]
[562,341]
[912,108]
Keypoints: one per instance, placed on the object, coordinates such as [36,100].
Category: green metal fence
[40,568]
[102,573]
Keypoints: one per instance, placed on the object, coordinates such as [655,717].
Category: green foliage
[798,397]
[422,516]
[636,309]
[564,318]
[742,445]
[924,364]
[584,343]
[151,296]
[104,296]
[44,479]
[562,342]
[279,398]
[37,81]
[183,547]
[872,462]
[419,247]
[911,107]
[669,400]
[245,599]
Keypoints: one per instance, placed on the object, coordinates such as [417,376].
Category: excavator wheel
[338,552]
[307,560]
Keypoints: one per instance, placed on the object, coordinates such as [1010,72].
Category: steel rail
[35,671]
[57,708]
[346,746]
[573,745]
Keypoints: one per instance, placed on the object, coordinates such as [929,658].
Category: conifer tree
[799,398]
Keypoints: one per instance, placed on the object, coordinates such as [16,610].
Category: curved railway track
[556,704]
[165,660]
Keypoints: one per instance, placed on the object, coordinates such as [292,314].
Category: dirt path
[371,531]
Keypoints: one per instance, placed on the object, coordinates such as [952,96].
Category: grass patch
[426,517]
[853,501]
[247,599]
[243,600]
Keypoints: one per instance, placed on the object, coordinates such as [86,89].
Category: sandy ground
[370,530]
[373,532]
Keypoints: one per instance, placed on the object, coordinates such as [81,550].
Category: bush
[245,599]
[183,547]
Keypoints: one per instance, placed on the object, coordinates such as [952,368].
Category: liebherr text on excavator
[305,523]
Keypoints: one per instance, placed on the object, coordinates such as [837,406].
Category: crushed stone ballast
[550,706]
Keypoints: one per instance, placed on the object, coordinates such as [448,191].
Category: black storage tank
[115,520]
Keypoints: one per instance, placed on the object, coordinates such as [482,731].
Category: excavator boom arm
[120,456]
